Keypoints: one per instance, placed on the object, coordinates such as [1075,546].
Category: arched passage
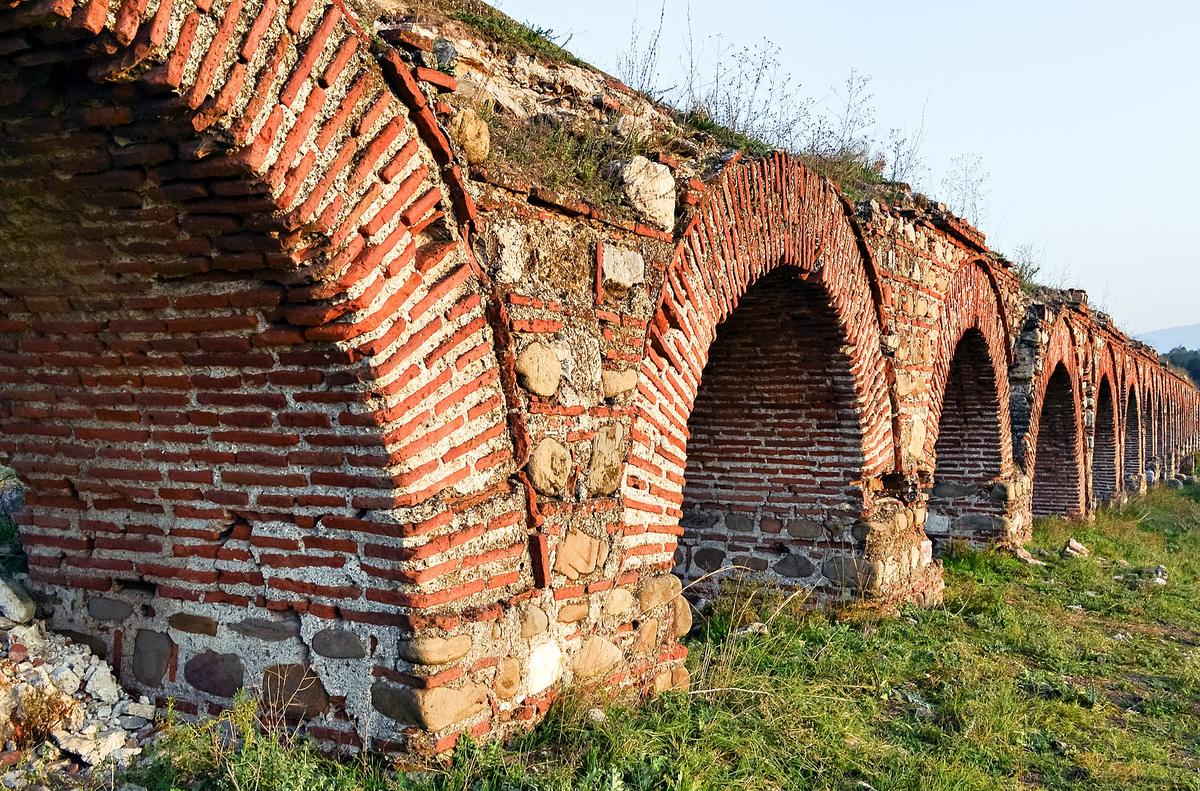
[1056,481]
[765,275]
[969,451]
[1104,445]
[776,439]
[1133,442]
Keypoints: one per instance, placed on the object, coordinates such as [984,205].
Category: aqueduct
[304,396]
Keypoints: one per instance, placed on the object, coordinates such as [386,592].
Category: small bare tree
[637,65]
[904,151]
[966,188]
[1027,262]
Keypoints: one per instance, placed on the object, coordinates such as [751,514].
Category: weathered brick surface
[259,366]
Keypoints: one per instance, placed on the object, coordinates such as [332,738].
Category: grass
[558,157]
[12,559]
[1043,677]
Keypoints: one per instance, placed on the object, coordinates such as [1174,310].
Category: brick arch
[771,221]
[274,366]
[973,303]
[290,164]
[1057,371]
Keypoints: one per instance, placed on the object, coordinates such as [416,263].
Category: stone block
[534,621]
[952,490]
[434,650]
[623,269]
[220,675]
[858,574]
[434,709]
[650,188]
[804,528]
[545,666]
[573,613]
[578,555]
[268,630]
[550,467]
[508,679]
[472,135]
[294,691]
[151,657]
[795,565]
[1004,492]
[193,624]
[659,590]
[618,601]
[681,613]
[604,476]
[739,523]
[709,558]
[15,603]
[539,370]
[103,609]
[645,639]
[614,383]
[334,643]
[596,657]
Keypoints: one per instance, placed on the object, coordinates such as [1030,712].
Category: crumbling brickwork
[309,401]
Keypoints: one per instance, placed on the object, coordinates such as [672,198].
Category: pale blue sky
[1085,114]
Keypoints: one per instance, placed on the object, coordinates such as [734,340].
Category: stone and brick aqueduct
[304,405]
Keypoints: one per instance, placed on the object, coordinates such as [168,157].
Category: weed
[510,35]
[560,156]
[40,711]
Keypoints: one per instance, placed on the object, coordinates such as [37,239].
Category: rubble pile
[62,712]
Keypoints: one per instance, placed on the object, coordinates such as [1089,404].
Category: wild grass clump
[558,155]
[40,711]
[235,752]
[510,35]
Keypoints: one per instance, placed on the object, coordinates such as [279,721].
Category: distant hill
[1166,340]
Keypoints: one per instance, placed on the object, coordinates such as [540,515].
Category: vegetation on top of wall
[1080,673]
[506,33]
[557,155]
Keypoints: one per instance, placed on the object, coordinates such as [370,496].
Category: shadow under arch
[972,451]
[1106,480]
[1057,489]
[1131,442]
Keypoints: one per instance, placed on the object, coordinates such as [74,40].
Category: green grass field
[1043,677]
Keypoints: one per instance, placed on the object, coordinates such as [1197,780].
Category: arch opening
[967,453]
[1056,480]
[776,439]
[1133,441]
[1104,446]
